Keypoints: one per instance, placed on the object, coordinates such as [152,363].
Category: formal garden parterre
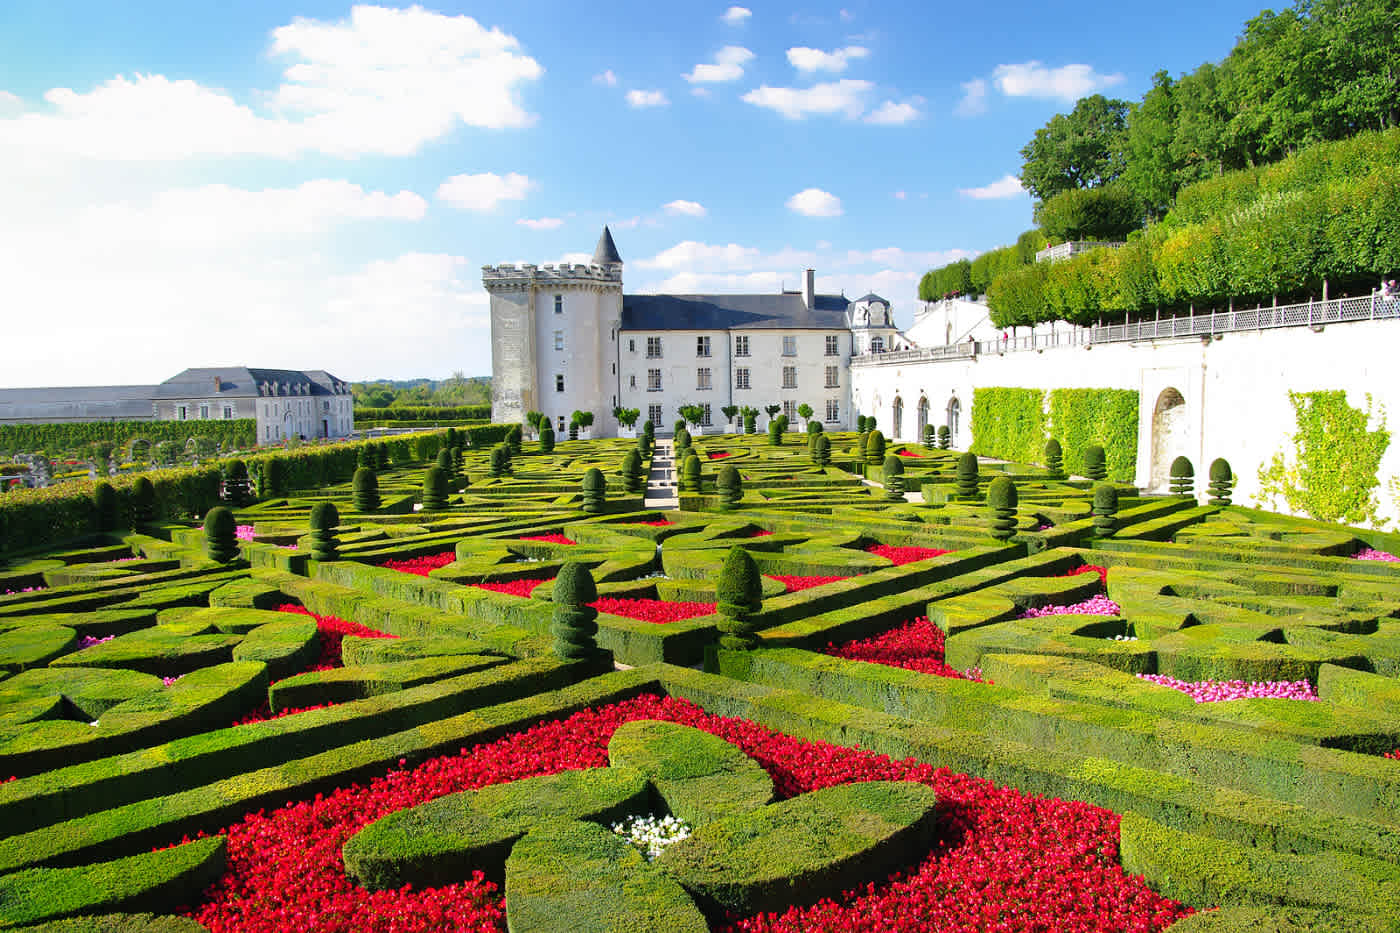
[465,682]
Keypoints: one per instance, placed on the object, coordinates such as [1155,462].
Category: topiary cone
[893,468]
[447,463]
[546,438]
[822,454]
[862,444]
[366,490]
[1183,478]
[500,460]
[731,488]
[1054,459]
[632,471]
[1105,510]
[1002,499]
[595,488]
[220,540]
[104,508]
[515,438]
[575,623]
[434,490]
[930,437]
[143,501]
[325,518]
[945,437]
[775,433]
[967,476]
[740,595]
[1095,466]
[690,473]
[875,449]
[1222,481]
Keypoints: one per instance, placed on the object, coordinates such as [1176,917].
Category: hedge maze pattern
[154,693]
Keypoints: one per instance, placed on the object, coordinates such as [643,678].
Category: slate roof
[872,297]
[77,403]
[606,250]
[240,382]
[733,312]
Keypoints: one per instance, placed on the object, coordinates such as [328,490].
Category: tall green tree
[1081,149]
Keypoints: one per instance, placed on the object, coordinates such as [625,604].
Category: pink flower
[1214,691]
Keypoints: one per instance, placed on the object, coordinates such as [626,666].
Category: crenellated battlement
[510,275]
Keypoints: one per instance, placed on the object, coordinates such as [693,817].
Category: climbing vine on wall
[1107,417]
[1009,423]
[1334,470]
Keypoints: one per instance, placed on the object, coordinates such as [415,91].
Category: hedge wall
[1009,423]
[1108,417]
[56,438]
[425,413]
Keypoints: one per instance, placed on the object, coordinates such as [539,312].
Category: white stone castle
[566,338]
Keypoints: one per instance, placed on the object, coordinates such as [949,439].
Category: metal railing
[1310,314]
[1075,248]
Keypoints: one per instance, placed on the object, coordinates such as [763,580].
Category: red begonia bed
[904,555]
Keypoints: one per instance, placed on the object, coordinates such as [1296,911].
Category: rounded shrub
[783,423]
[862,444]
[446,463]
[775,433]
[690,473]
[1222,481]
[575,622]
[364,458]
[945,437]
[1183,477]
[219,535]
[730,486]
[740,595]
[1054,459]
[435,489]
[546,438]
[500,460]
[1105,510]
[325,518]
[967,476]
[751,424]
[875,449]
[515,438]
[143,501]
[648,429]
[1095,465]
[272,477]
[632,471]
[1002,499]
[681,442]
[595,491]
[893,468]
[814,427]
[821,454]
[451,438]
[366,490]
[104,508]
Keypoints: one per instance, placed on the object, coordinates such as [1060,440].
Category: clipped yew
[690,473]
[595,491]
[459,460]
[1222,481]
[1183,477]
[435,489]
[930,437]
[365,458]
[365,492]
[775,433]
[967,476]
[862,444]
[893,468]
[1054,459]
[875,449]
[1002,499]
[1105,510]
[272,477]
[143,501]
[681,443]
[632,471]
[515,438]
[821,450]
[447,463]
[1095,465]
[220,541]
[325,518]
[731,488]
[500,460]
[945,437]
[546,438]
[104,507]
[740,596]
[575,623]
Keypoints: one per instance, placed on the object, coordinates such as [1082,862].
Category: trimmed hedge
[1107,417]
[698,776]
[1008,423]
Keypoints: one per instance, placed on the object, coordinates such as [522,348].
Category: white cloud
[891,114]
[607,79]
[814,202]
[1008,186]
[642,99]
[626,224]
[1067,83]
[736,15]
[974,99]
[383,82]
[689,208]
[901,195]
[690,253]
[809,60]
[728,66]
[543,223]
[10,103]
[483,192]
[845,97]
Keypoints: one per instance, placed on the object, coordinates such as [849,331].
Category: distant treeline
[65,438]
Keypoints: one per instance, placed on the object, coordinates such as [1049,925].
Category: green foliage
[947,281]
[750,421]
[325,518]
[804,411]
[143,501]
[814,427]
[1183,477]
[1222,481]
[219,535]
[875,448]
[366,490]
[595,489]
[632,471]
[729,411]
[533,418]
[54,438]
[500,460]
[648,428]
[1001,499]
[546,437]
[821,450]
[435,487]
[740,595]
[681,442]
[1105,510]
[862,443]
[515,438]
[428,414]
[693,414]
[1008,423]
[893,470]
[1054,459]
[238,489]
[730,487]
[1095,466]
[627,417]
[967,475]
[1081,149]
[426,447]
[447,462]
[1109,212]
[945,437]
[775,432]
[105,508]
[772,410]
[1106,417]
[690,473]
[575,623]
[1333,471]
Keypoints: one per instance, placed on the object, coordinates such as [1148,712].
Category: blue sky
[318,184]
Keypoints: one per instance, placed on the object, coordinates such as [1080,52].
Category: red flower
[331,631]
[652,610]
[1090,568]
[904,555]
[914,646]
[548,539]
[513,587]
[662,523]
[717,454]
[910,453]
[758,533]
[796,584]
[421,566]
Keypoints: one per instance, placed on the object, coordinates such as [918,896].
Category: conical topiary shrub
[435,489]
[930,437]
[515,438]
[1105,510]
[451,438]
[446,463]
[632,471]
[1054,459]
[690,473]
[815,427]
[272,477]
[143,501]
[104,508]
[1002,498]
[731,488]
[220,540]
[1095,466]
[862,444]
[1222,481]
[740,593]
[546,438]
[775,433]
[575,623]
[500,460]
[365,493]
[325,518]
[875,449]
[894,478]
[821,452]
[595,490]
[945,437]
[967,476]
[680,444]
[238,488]
[1183,478]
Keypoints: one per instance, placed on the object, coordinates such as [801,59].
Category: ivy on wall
[1008,423]
[1107,417]
[1333,472]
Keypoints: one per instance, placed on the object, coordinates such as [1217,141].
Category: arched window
[923,418]
[877,345]
[954,418]
[898,417]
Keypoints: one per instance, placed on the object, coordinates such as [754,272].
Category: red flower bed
[914,646]
[1395,755]
[331,631]
[797,584]
[910,453]
[421,566]
[652,610]
[1005,861]
[513,587]
[1090,568]
[548,539]
[759,533]
[717,454]
[264,713]
[903,555]
[662,523]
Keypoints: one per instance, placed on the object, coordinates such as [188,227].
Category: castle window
[702,346]
[654,414]
[631,346]
[558,340]
[632,381]
[558,304]
[183,412]
[877,345]
[741,346]
[228,413]
[705,418]
[832,349]
[653,348]
[833,410]
[559,383]
[702,378]
[789,409]
[833,377]
[653,380]
[789,377]
[789,346]
[741,378]
[204,412]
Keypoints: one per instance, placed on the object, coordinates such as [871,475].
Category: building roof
[606,250]
[77,403]
[871,297]
[786,311]
[242,382]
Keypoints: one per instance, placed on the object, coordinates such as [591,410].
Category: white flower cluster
[652,834]
[1125,638]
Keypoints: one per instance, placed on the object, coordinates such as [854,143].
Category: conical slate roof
[606,250]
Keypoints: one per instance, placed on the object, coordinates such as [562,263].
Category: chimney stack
[809,289]
[218,384]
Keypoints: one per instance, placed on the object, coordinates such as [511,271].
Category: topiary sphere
[1183,477]
[104,507]
[1001,493]
[1222,481]
[220,538]
[143,501]
[648,428]
[730,486]
[681,440]
[365,492]
[967,475]
[445,461]
[324,516]
[595,487]
[435,489]
[690,473]
[1094,463]
[740,596]
[1054,459]
[815,427]
[875,448]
